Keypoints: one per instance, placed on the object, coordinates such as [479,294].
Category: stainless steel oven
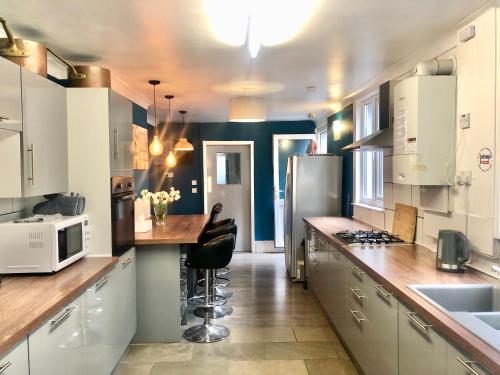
[122,214]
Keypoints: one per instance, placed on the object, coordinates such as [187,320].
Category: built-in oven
[122,214]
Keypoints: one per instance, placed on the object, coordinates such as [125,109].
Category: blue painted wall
[334,147]
[260,133]
[287,148]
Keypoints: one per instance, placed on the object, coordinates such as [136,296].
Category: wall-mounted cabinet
[33,134]
[120,135]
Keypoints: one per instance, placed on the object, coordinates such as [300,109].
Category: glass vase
[160,213]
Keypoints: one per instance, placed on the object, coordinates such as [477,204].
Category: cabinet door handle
[411,315]
[4,118]
[31,150]
[356,272]
[355,314]
[468,365]
[4,367]
[127,261]
[335,252]
[355,291]
[117,150]
[103,281]
[63,316]
[382,291]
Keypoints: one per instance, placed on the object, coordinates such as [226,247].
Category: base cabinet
[16,362]
[458,363]
[127,300]
[57,347]
[421,349]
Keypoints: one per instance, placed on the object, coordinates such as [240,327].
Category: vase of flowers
[160,201]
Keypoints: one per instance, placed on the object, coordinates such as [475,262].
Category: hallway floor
[276,328]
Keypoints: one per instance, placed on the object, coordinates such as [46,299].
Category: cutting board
[405,222]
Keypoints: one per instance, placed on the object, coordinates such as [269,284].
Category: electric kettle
[452,251]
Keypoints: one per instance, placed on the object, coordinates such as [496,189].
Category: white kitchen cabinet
[458,363]
[11,116]
[120,135]
[45,136]
[57,347]
[102,344]
[422,351]
[16,362]
[336,284]
[127,302]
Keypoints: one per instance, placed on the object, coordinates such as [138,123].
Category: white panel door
[228,171]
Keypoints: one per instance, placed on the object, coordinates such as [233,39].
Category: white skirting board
[267,247]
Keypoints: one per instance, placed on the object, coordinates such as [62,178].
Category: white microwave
[43,247]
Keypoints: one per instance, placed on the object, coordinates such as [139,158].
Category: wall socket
[465,121]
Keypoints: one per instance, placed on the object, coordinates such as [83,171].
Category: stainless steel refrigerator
[313,188]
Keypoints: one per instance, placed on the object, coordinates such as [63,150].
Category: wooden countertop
[28,301]
[397,266]
[177,229]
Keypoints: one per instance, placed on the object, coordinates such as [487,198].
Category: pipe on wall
[435,67]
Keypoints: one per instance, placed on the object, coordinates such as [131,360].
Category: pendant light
[155,148]
[170,160]
[183,144]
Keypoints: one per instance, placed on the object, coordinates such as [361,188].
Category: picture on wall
[140,147]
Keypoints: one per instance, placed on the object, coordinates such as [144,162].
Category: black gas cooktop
[368,237]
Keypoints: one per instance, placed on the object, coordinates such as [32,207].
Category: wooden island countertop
[397,266]
[28,301]
[178,229]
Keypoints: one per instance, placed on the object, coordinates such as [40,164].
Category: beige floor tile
[134,369]
[212,367]
[330,367]
[149,353]
[300,350]
[296,367]
[315,334]
[235,352]
[263,334]
[292,322]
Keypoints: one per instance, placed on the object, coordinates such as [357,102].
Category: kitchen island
[158,254]
[370,284]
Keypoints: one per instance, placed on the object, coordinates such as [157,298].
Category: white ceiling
[347,42]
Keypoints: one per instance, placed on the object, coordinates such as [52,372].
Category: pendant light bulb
[170,160]
[183,144]
[155,148]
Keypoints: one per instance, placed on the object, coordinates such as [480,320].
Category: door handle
[4,367]
[117,152]
[355,315]
[411,315]
[357,294]
[66,313]
[127,261]
[31,150]
[102,282]
[468,365]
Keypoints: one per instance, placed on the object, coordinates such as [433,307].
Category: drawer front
[421,349]
[56,348]
[16,361]
[458,363]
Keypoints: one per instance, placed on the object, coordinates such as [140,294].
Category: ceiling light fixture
[155,148]
[247,109]
[183,144]
[170,160]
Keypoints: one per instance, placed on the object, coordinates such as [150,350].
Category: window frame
[368,161]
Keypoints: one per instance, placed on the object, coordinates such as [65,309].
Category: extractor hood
[382,138]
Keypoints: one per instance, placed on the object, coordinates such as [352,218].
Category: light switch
[170,174]
[194,182]
[194,190]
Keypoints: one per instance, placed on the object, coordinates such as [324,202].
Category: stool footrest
[215,300]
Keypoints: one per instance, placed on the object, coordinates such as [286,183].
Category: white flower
[156,201]
[177,197]
[171,199]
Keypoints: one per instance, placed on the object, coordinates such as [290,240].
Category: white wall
[472,210]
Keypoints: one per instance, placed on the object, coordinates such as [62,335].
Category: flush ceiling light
[155,148]
[183,144]
[247,109]
[234,22]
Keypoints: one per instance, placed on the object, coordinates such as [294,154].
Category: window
[370,185]
[323,142]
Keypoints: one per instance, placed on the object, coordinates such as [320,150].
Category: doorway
[284,145]
[228,178]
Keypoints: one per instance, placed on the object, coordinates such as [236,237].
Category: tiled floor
[276,328]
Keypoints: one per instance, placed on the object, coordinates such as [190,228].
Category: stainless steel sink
[475,306]
[463,297]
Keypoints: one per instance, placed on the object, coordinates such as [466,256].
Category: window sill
[373,208]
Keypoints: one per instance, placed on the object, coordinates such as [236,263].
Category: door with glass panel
[284,145]
[228,180]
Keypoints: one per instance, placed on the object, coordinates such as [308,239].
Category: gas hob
[368,238]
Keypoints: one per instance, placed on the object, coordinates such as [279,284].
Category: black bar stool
[216,210]
[213,255]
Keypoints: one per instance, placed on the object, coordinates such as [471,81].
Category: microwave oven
[43,247]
